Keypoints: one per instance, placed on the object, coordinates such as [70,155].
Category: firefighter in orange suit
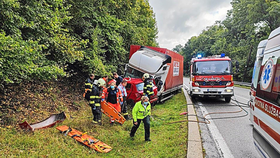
[113,95]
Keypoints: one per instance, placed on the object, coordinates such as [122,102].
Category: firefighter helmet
[112,81]
[146,76]
[101,82]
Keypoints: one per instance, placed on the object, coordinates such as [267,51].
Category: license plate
[211,90]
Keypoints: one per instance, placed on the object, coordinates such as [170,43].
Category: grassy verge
[246,87]
[168,140]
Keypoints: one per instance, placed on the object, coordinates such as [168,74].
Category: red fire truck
[265,97]
[211,77]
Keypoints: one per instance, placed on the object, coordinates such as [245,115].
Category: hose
[229,112]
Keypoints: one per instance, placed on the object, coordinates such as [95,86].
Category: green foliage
[249,22]
[21,60]
[48,38]
[111,27]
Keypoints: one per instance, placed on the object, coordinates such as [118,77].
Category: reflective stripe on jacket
[140,112]
[88,84]
[148,87]
[118,95]
[95,96]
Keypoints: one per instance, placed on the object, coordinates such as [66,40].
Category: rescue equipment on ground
[111,112]
[85,139]
[49,122]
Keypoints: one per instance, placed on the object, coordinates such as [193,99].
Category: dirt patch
[35,101]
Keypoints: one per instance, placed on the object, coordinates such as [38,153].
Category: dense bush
[41,40]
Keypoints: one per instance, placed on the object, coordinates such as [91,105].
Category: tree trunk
[247,64]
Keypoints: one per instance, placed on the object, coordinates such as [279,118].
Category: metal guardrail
[242,83]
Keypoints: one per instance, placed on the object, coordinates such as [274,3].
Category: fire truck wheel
[194,98]
[227,99]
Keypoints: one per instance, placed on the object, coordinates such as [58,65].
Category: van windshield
[212,67]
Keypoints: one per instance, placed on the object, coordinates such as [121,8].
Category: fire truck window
[213,67]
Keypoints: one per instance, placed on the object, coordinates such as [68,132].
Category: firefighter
[141,112]
[105,78]
[113,95]
[117,78]
[148,86]
[95,99]
[88,86]
[124,95]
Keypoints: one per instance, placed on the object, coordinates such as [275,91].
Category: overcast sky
[179,20]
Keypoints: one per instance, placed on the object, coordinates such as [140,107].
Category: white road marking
[219,141]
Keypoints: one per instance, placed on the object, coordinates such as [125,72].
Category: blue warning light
[199,56]
[223,55]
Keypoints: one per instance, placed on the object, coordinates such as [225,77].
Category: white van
[265,97]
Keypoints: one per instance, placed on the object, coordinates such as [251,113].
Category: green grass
[246,87]
[168,140]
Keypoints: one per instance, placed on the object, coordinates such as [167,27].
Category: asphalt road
[229,133]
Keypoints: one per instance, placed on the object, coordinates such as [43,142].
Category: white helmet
[101,82]
[146,75]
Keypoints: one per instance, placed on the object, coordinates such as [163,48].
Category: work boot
[148,140]
[95,122]
[99,122]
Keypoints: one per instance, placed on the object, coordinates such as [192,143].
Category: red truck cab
[134,91]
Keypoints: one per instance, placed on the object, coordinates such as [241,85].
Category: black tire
[193,98]
[227,99]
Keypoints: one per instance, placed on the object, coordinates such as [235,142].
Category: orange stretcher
[85,139]
[111,112]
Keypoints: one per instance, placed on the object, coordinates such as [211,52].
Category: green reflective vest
[139,111]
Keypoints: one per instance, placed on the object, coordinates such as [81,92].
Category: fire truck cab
[211,77]
[265,97]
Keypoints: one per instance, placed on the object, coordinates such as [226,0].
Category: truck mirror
[125,67]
